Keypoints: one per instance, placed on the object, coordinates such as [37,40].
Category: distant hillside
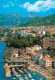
[10,19]
[15,19]
[49,20]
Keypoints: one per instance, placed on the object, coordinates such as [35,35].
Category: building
[27,57]
[47,62]
[50,32]
[5,34]
[37,47]
[48,42]
[33,55]
[29,50]
[15,54]
[38,58]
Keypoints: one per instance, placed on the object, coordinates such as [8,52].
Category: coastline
[34,68]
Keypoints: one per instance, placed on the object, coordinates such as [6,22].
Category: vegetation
[48,36]
[33,32]
[21,42]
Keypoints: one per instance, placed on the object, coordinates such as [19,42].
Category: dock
[7,70]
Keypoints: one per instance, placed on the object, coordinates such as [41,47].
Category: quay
[36,68]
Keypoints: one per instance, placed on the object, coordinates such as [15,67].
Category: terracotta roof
[34,54]
[24,53]
[44,59]
[15,52]
[50,30]
[54,57]
[53,74]
[39,54]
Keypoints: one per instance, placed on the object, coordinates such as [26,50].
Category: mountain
[41,21]
[11,19]
[33,16]
[15,19]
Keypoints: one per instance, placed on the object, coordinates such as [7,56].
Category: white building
[15,54]
[37,47]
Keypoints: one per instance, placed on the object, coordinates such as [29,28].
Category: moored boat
[20,70]
[30,75]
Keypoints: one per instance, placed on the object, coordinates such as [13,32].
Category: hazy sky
[24,7]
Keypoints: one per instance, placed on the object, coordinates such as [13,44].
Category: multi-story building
[50,32]
[47,62]
[48,42]
[36,57]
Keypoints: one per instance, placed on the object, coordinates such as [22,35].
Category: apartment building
[47,62]
[48,42]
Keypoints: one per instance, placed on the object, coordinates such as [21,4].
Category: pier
[7,70]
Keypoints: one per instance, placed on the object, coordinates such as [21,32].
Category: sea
[35,76]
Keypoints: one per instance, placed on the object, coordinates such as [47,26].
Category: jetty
[7,70]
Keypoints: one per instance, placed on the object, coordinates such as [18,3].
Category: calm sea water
[2,71]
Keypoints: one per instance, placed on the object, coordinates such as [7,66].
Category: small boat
[41,79]
[19,75]
[30,75]
[25,70]
[20,70]
[26,77]
[13,78]
[34,73]
[14,72]
[21,78]
[37,77]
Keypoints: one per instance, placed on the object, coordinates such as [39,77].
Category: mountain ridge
[42,21]
[31,20]
[13,19]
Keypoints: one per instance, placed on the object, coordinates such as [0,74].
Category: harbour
[20,76]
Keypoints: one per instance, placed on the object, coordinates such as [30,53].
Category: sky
[25,7]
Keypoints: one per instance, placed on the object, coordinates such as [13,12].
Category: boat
[37,77]
[26,77]
[20,70]
[30,75]
[19,75]
[21,78]
[25,70]
[13,78]
[41,79]
[14,72]
[34,73]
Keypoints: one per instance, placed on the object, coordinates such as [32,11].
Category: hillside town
[40,57]
[27,39]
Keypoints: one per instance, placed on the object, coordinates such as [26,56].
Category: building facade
[48,42]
